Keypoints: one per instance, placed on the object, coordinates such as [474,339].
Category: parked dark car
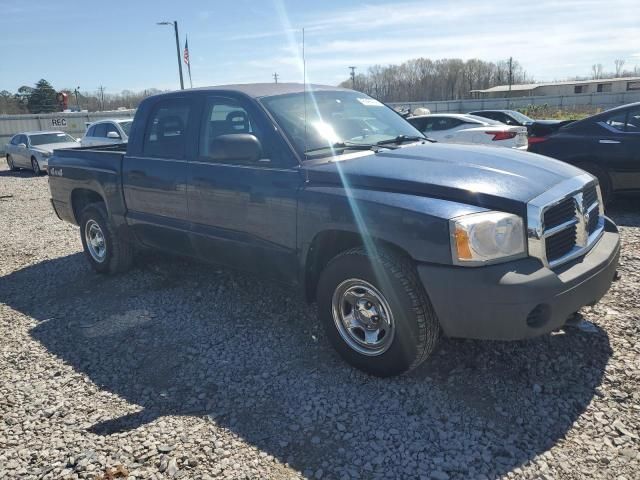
[336,195]
[606,145]
[535,128]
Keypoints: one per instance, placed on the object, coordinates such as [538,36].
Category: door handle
[609,141]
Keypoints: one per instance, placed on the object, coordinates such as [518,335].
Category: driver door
[242,213]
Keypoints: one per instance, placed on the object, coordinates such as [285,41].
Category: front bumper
[519,299]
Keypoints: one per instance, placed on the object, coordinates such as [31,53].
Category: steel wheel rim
[95,241]
[35,166]
[363,317]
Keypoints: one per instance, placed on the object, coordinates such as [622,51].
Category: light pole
[175,27]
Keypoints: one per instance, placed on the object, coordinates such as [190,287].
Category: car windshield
[521,117]
[46,138]
[333,118]
[126,126]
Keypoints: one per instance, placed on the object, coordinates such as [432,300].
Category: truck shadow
[624,210]
[178,338]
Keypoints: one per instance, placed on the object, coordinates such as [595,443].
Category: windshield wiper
[352,146]
[402,138]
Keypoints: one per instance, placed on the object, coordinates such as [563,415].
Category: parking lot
[185,370]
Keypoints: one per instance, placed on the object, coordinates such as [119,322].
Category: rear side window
[165,136]
[627,121]
[441,123]
[633,121]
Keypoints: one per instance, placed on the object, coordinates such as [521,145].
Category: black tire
[10,164]
[35,166]
[603,179]
[415,323]
[118,254]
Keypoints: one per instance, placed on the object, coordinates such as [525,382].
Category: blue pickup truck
[397,239]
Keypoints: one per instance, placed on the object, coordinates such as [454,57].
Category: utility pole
[175,28]
[510,80]
[275,77]
[76,94]
[353,77]
[101,88]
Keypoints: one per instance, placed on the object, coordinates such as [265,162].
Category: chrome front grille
[565,222]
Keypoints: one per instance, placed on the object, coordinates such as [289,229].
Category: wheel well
[81,197]
[325,246]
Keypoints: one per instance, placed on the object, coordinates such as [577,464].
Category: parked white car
[106,132]
[33,149]
[464,128]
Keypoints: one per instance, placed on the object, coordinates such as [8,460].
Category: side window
[617,121]
[633,121]
[225,116]
[90,131]
[15,140]
[166,131]
[24,139]
[112,128]
[100,130]
[438,124]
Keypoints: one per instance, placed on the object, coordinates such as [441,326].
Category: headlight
[487,237]
[45,154]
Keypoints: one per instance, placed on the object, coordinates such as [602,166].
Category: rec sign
[58,122]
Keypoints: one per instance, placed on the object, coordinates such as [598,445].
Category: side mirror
[236,146]
[113,135]
[22,145]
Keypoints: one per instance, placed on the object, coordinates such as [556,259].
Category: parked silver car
[33,149]
[106,132]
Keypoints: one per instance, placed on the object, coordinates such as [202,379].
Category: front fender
[415,224]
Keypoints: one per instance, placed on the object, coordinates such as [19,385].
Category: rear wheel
[10,163]
[106,250]
[375,311]
[35,166]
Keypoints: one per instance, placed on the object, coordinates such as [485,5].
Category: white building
[574,87]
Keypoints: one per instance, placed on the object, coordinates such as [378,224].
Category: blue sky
[117,44]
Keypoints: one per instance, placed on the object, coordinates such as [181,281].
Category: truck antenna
[304,93]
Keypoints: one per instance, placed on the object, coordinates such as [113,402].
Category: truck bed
[74,171]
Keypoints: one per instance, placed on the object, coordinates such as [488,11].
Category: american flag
[186,51]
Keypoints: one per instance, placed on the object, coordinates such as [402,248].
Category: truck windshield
[46,138]
[337,117]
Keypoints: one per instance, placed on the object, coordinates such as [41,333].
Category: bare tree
[619,64]
[443,79]
[596,71]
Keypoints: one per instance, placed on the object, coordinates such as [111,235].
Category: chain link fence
[579,103]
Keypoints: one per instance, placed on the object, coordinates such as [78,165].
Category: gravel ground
[182,370]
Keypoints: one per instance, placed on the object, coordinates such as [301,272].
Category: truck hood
[497,178]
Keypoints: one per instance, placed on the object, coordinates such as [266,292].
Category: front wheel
[376,312]
[10,163]
[35,166]
[106,250]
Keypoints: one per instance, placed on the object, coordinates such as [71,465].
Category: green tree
[43,98]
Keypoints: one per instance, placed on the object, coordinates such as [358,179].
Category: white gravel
[185,370]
